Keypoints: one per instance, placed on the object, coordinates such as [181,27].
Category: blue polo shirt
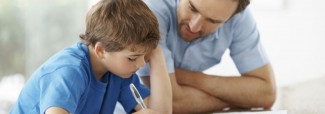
[239,34]
[67,80]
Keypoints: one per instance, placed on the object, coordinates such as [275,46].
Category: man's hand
[186,77]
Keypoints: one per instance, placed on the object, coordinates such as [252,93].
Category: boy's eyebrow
[208,18]
[137,55]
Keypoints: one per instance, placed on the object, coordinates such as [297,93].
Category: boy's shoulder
[75,56]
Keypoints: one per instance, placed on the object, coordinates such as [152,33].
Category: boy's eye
[132,59]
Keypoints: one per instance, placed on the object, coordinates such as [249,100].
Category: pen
[137,96]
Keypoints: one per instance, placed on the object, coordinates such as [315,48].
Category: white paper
[256,112]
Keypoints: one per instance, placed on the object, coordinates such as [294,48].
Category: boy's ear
[147,56]
[99,50]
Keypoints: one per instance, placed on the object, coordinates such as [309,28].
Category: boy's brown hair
[118,24]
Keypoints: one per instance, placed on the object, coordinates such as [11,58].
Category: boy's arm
[56,110]
[146,111]
[160,98]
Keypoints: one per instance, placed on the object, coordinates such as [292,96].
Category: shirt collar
[216,33]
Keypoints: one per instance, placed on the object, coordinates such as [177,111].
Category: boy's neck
[98,69]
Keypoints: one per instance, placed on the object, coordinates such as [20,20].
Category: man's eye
[214,22]
[193,10]
[132,59]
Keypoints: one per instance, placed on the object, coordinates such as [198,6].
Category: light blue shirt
[239,34]
[67,80]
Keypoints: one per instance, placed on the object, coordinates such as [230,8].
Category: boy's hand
[146,111]
[154,54]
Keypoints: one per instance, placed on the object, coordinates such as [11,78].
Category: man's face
[197,18]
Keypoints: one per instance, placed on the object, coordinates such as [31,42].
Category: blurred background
[292,33]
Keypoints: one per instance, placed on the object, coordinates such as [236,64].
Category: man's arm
[190,100]
[253,89]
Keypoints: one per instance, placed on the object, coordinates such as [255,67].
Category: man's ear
[99,50]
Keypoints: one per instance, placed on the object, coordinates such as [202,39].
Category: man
[195,35]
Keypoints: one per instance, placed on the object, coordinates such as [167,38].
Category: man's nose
[196,23]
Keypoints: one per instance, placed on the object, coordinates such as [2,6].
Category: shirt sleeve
[163,16]
[62,88]
[126,97]
[246,49]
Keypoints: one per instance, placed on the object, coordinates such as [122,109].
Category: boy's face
[197,18]
[124,63]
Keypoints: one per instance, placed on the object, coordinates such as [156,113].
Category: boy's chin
[125,75]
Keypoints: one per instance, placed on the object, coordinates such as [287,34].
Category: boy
[90,77]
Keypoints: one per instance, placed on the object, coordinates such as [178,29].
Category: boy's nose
[196,23]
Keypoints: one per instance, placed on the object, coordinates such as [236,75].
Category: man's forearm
[192,100]
[240,91]
[250,90]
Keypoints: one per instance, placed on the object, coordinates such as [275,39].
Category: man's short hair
[242,4]
[119,24]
